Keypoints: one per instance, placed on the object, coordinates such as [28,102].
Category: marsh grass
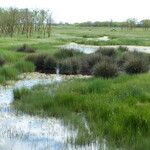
[62,35]
[11,72]
[18,93]
[25,66]
[117,109]
[8,73]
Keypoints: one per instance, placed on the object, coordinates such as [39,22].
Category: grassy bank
[117,109]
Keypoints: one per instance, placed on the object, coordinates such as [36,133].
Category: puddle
[88,49]
[25,132]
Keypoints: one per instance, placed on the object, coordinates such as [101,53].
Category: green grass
[117,109]
[15,61]
[120,37]
[65,34]
[11,72]
[24,66]
[8,73]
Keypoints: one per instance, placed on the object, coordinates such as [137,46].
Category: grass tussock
[11,72]
[8,73]
[25,66]
[18,93]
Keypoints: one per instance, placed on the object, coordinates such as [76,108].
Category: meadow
[116,109]
[63,35]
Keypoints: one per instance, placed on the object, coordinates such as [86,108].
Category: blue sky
[87,10]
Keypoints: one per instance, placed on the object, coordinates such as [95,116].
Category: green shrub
[105,69]
[136,65]
[50,64]
[26,48]
[88,61]
[2,61]
[25,66]
[127,58]
[123,58]
[70,66]
[107,51]
[65,53]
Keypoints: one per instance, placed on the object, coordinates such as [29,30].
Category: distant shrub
[38,60]
[129,61]
[2,61]
[70,66]
[50,64]
[65,53]
[25,66]
[19,93]
[26,48]
[136,65]
[105,69]
[107,51]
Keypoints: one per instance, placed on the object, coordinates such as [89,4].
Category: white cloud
[84,10]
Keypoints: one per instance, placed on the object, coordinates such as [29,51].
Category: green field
[138,36]
[65,34]
[117,109]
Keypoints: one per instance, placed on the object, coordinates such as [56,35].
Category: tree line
[128,24]
[25,21]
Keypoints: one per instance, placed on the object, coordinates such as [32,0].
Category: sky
[87,10]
